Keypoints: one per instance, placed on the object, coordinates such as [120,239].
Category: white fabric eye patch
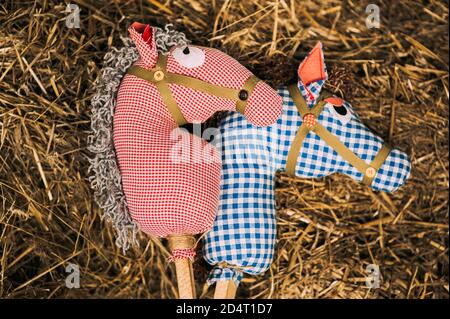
[189,56]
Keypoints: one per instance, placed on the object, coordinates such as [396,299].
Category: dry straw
[329,229]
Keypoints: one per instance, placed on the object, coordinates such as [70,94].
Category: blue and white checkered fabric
[311,92]
[243,235]
[244,232]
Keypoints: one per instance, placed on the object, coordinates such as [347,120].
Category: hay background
[329,229]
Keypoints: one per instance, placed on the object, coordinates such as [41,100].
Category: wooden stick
[183,267]
[225,290]
[185,279]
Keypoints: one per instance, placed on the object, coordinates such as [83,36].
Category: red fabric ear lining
[139,27]
[147,35]
[144,29]
[312,69]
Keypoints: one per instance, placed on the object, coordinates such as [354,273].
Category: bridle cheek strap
[369,171]
[245,92]
[161,78]
[376,164]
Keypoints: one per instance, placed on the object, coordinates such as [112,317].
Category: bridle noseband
[161,78]
[310,123]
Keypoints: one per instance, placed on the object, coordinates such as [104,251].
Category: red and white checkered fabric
[167,197]
[183,253]
[309,120]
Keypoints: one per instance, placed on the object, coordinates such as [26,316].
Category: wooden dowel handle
[183,267]
[185,279]
[225,290]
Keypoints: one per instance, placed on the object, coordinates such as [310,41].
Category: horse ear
[313,67]
[143,36]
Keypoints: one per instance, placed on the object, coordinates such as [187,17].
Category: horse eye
[341,110]
[189,56]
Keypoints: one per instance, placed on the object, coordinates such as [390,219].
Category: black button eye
[243,95]
[341,110]
[186,50]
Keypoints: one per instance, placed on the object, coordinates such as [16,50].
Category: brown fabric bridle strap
[377,162]
[294,150]
[368,171]
[158,77]
[161,78]
[249,85]
[303,131]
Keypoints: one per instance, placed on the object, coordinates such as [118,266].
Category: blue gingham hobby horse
[317,135]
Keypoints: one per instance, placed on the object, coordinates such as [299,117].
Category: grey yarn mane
[104,171]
